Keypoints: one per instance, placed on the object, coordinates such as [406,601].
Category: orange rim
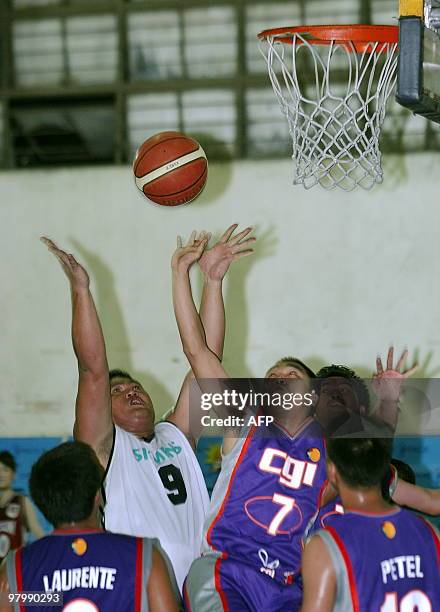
[356,37]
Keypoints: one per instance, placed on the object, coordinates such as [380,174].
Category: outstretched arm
[387,386]
[417,498]
[204,363]
[93,418]
[214,264]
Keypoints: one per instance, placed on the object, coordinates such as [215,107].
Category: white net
[335,107]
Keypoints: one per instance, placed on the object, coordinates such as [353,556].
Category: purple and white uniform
[267,491]
[93,570]
[384,563]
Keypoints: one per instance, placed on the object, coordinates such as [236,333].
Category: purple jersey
[319,520]
[266,494]
[109,570]
[387,563]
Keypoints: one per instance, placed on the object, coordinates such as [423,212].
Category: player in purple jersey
[376,557]
[91,569]
[270,485]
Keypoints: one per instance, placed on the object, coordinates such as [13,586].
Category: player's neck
[296,419]
[364,500]
[140,432]
[91,523]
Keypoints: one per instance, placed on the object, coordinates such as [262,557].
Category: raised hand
[77,275]
[184,256]
[387,383]
[214,262]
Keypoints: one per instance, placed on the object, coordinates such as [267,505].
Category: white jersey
[156,489]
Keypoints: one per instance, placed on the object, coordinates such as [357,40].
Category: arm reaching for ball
[93,416]
[204,363]
[214,264]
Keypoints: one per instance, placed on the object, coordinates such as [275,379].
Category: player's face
[337,399]
[132,408]
[6,476]
[291,377]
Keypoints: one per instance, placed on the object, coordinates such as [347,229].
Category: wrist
[80,290]
[180,269]
[212,282]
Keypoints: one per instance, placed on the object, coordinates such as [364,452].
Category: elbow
[194,352]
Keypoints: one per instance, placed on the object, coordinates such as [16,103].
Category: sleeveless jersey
[319,520]
[156,489]
[103,571]
[11,525]
[384,563]
[267,492]
[336,507]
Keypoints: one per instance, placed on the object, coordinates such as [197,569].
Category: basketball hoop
[336,114]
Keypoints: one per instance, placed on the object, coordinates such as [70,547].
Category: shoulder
[317,551]
[166,431]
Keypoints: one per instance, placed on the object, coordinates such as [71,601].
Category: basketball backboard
[418,76]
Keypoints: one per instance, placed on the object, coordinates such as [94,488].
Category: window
[90,80]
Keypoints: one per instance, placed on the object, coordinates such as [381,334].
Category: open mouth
[137,401]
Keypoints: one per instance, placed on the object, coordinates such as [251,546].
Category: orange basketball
[170,168]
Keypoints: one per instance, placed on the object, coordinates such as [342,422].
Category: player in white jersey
[154,486]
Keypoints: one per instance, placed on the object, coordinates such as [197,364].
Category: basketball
[170,168]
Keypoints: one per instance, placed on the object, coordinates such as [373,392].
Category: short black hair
[361,462]
[404,471]
[359,386]
[7,459]
[119,374]
[294,362]
[64,482]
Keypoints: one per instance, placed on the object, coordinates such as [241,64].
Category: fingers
[241,254]
[379,365]
[401,361]
[48,242]
[192,238]
[390,358]
[51,245]
[201,243]
[61,255]
[227,234]
[243,246]
[236,239]
[411,371]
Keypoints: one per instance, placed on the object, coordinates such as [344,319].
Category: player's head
[290,367]
[7,469]
[358,463]
[65,482]
[293,370]
[341,393]
[132,408]
[287,377]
